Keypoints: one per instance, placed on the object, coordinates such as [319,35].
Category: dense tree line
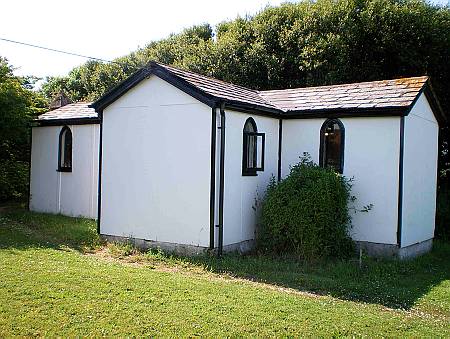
[293,45]
[18,106]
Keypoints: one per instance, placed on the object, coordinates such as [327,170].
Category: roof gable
[376,98]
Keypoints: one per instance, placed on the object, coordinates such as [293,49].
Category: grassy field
[58,278]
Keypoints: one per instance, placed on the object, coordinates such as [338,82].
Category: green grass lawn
[58,278]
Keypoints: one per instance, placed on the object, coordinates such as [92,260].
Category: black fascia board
[347,112]
[213,101]
[160,72]
[436,107]
[61,122]
[120,89]
[184,86]
[252,108]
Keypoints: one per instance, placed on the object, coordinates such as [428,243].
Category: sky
[103,29]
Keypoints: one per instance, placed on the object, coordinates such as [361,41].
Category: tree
[18,105]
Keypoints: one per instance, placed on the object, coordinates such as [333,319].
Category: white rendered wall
[419,173]
[299,136]
[69,193]
[243,193]
[156,165]
[44,179]
[371,156]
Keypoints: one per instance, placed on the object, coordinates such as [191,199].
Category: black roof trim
[347,112]
[242,106]
[61,122]
[120,89]
[183,85]
[434,103]
[251,108]
[161,72]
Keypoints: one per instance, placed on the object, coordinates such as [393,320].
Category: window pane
[68,149]
[249,159]
[248,127]
[65,148]
[332,146]
[251,151]
[62,148]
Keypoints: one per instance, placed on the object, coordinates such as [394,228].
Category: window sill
[64,170]
[250,174]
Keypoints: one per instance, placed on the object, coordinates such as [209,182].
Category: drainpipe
[100,160]
[221,176]
[212,191]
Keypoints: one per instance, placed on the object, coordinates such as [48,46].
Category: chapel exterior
[184,159]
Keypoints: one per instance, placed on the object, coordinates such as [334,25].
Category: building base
[393,251]
[181,249]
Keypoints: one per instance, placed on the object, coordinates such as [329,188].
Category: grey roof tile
[386,93]
[77,110]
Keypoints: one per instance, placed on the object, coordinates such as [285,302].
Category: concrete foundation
[415,250]
[143,244]
[393,251]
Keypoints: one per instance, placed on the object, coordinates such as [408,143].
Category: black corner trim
[221,178]
[280,142]
[400,183]
[212,193]
[100,159]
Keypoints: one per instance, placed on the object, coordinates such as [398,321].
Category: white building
[185,159]
[64,161]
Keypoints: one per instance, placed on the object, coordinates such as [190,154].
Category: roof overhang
[434,103]
[62,122]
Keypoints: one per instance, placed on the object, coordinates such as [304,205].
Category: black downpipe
[280,141]
[400,183]
[29,166]
[222,177]
[212,194]
[100,152]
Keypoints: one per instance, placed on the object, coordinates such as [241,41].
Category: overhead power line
[58,50]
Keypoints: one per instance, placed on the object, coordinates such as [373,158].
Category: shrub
[307,213]
[13,180]
[443,213]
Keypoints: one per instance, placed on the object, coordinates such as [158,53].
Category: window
[332,136]
[253,149]
[65,150]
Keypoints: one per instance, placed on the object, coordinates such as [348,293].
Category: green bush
[443,213]
[307,213]
[13,180]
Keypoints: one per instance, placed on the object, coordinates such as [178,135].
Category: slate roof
[374,94]
[376,98]
[221,89]
[70,112]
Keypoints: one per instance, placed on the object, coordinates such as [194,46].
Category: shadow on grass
[391,283]
[20,229]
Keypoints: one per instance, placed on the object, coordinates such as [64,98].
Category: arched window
[251,162]
[65,150]
[332,137]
